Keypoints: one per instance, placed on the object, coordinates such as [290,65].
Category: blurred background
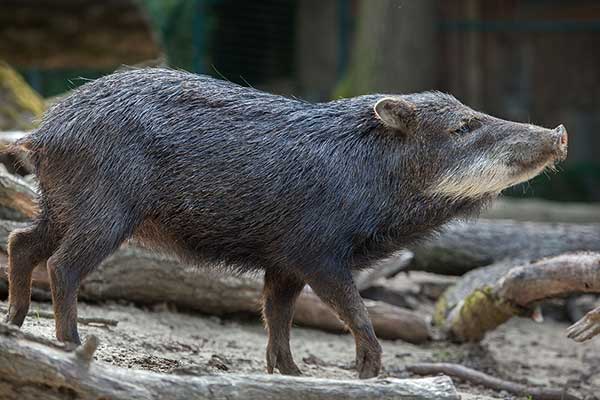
[525,60]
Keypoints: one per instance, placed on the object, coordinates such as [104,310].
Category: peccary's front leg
[336,288]
[279,295]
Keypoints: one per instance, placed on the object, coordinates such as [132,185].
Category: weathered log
[32,368]
[487,297]
[145,277]
[536,210]
[384,269]
[464,246]
[587,327]
[17,197]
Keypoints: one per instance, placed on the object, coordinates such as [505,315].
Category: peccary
[214,172]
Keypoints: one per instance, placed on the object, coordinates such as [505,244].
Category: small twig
[81,320]
[480,378]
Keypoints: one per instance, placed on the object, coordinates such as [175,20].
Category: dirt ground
[160,339]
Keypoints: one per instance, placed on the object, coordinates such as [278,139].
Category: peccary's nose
[561,134]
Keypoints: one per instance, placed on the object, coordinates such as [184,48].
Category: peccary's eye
[468,126]
[474,124]
[464,128]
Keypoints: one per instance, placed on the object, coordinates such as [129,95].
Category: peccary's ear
[395,113]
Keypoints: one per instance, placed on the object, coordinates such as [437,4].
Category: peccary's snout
[561,133]
[561,141]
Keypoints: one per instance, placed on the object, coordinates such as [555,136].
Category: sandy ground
[162,340]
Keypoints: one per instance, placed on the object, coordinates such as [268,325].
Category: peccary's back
[229,172]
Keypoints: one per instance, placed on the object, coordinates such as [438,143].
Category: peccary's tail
[25,143]
[25,148]
[19,145]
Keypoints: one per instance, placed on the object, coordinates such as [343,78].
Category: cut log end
[586,328]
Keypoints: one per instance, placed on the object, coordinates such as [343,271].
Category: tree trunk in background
[317,48]
[394,49]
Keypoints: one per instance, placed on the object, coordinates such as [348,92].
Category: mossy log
[33,368]
[20,105]
[485,298]
[463,246]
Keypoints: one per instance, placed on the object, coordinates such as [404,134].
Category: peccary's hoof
[368,372]
[368,364]
[14,317]
[283,361]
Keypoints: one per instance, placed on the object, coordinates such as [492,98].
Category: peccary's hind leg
[336,288]
[78,255]
[27,248]
[279,295]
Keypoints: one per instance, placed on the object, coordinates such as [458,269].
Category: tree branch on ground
[32,368]
[485,298]
[479,378]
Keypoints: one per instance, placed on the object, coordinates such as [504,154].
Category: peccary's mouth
[550,155]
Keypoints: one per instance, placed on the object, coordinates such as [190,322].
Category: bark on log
[32,368]
[487,297]
[464,246]
[586,328]
[17,197]
[535,210]
[145,277]
[384,269]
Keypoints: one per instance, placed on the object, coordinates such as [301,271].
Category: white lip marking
[485,176]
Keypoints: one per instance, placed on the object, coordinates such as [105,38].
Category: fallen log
[32,368]
[487,297]
[384,269]
[144,277]
[17,197]
[463,246]
[536,210]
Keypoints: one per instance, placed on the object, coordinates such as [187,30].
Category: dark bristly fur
[216,172]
